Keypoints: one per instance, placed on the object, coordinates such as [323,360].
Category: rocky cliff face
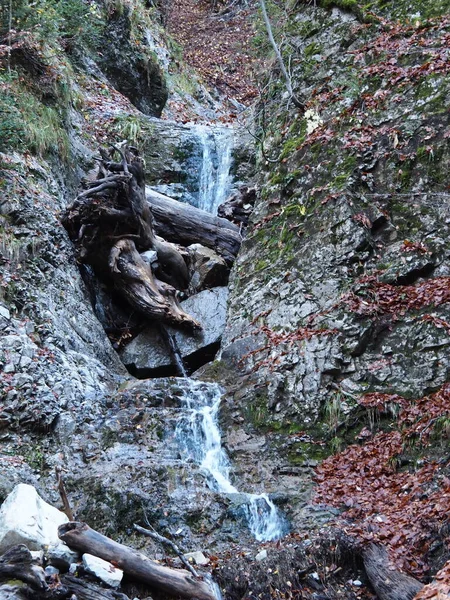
[338,287]
[340,292]
[338,311]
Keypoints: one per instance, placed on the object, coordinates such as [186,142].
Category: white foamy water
[198,438]
[215,178]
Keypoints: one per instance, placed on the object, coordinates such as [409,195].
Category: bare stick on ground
[62,492]
[163,540]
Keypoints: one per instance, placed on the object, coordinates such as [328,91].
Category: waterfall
[198,440]
[214,178]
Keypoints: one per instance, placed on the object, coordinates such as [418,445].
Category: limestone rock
[209,269]
[26,519]
[12,592]
[261,556]
[147,355]
[61,556]
[103,570]
[197,557]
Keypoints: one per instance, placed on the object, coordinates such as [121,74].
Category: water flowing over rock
[215,179]
[199,440]
[191,163]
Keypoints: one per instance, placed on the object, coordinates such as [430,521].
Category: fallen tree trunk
[177,582]
[184,224]
[389,584]
[17,563]
[83,590]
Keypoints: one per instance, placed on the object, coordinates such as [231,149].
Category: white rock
[103,570]
[197,557]
[4,312]
[261,555]
[37,556]
[26,519]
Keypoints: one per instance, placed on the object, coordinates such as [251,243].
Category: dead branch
[163,540]
[177,582]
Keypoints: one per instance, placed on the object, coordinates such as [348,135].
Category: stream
[198,441]
[215,178]
[197,432]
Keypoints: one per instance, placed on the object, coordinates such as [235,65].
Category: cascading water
[198,440]
[215,179]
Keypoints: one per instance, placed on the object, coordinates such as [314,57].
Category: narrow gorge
[224,298]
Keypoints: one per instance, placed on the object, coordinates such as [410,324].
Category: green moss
[277,178]
[301,452]
[311,50]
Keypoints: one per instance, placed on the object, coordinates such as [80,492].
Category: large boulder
[148,356]
[26,519]
[208,268]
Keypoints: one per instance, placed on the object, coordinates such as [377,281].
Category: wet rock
[103,570]
[147,356]
[26,519]
[136,75]
[150,257]
[208,268]
[191,163]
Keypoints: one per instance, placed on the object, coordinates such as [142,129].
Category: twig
[280,60]
[164,540]
[63,494]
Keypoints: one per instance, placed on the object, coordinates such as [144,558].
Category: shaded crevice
[412,276]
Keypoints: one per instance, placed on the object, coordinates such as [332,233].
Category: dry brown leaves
[375,297]
[217,46]
[405,510]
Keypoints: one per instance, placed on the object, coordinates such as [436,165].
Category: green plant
[52,20]
[333,412]
[28,124]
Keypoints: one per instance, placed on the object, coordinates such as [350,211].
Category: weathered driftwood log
[134,279]
[184,224]
[110,222]
[177,582]
[83,590]
[388,583]
[17,563]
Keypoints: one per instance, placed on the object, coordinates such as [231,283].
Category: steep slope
[338,322]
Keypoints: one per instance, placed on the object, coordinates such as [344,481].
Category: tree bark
[185,225]
[388,583]
[134,279]
[176,582]
[110,223]
[16,563]
[84,590]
